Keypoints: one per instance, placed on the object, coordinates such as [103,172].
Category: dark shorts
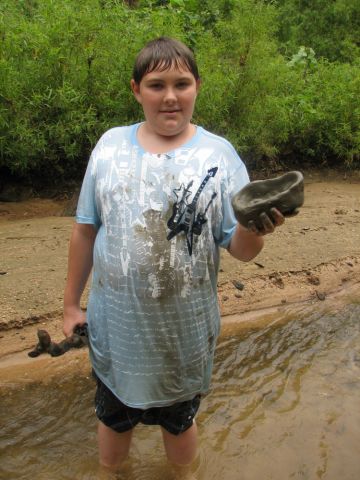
[176,418]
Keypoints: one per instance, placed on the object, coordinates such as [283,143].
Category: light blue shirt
[153,313]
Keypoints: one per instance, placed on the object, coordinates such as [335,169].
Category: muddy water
[284,405]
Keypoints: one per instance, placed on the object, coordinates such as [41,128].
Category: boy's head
[161,54]
[166,83]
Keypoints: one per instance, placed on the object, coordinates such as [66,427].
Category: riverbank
[309,259]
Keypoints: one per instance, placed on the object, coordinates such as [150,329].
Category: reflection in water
[284,405]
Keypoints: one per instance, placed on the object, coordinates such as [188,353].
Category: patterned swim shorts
[176,418]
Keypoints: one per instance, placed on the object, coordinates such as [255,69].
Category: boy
[154,208]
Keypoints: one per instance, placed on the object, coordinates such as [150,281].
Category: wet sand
[312,257]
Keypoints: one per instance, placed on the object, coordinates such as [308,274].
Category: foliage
[325,116]
[65,73]
[330,27]
[65,68]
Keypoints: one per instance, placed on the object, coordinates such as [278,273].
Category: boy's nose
[170,95]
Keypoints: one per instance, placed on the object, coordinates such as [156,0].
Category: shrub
[65,68]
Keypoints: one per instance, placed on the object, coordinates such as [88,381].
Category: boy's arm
[246,243]
[79,267]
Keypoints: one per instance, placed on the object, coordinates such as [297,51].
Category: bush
[331,28]
[325,116]
[65,68]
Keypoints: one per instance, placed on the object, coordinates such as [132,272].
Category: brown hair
[161,54]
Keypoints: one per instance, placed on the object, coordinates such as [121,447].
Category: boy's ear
[198,85]
[135,87]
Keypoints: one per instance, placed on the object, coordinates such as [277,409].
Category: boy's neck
[153,142]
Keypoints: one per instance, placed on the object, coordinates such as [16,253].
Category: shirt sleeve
[236,179]
[87,211]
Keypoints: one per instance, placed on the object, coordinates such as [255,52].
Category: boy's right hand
[73,316]
[268,222]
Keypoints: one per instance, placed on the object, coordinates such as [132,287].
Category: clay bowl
[286,193]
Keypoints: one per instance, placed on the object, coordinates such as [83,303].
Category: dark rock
[260,265]
[320,295]
[238,285]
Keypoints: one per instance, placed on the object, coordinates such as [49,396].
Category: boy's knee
[181,449]
[113,447]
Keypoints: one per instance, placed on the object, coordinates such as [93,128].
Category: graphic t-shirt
[153,314]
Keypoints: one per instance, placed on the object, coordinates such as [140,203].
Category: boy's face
[168,99]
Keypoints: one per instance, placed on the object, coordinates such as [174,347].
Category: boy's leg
[113,446]
[181,449]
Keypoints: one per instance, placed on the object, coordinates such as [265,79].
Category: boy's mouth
[170,111]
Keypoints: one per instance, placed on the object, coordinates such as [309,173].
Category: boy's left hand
[269,223]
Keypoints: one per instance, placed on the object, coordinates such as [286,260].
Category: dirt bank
[312,256]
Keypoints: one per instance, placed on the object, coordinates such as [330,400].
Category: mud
[314,255]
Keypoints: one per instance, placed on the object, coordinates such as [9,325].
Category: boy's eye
[156,86]
[182,84]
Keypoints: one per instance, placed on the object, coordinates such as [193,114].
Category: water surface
[284,405]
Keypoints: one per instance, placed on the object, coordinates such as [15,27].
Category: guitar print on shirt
[184,218]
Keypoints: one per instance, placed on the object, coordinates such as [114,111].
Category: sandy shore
[313,257]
